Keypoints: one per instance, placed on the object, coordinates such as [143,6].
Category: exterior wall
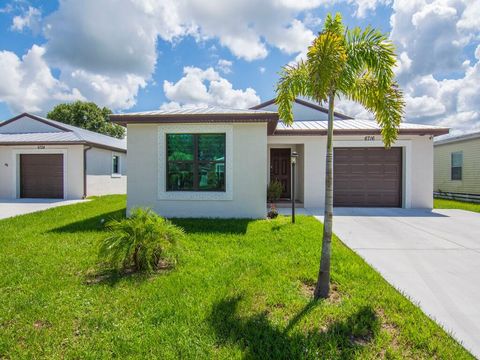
[470,183]
[417,167]
[27,125]
[100,180]
[73,168]
[299,180]
[311,171]
[246,147]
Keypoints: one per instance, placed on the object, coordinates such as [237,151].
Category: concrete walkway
[431,256]
[9,208]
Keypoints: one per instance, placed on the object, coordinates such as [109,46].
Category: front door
[280,169]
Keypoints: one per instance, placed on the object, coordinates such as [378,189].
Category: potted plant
[274,191]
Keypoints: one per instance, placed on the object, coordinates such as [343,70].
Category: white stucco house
[42,158]
[215,162]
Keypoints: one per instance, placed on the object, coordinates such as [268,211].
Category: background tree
[87,115]
[357,65]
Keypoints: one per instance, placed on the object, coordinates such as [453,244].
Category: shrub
[274,190]
[141,242]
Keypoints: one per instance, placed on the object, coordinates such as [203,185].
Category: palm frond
[327,57]
[370,50]
[294,81]
[387,105]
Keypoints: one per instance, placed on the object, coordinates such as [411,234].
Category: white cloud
[431,37]
[206,87]
[28,84]
[224,66]
[262,70]
[366,6]
[428,35]
[117,92]
[102,37]
[29,19]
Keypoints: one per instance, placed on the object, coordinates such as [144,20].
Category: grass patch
[240,290]
[454,204]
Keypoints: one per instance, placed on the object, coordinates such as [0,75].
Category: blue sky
[134,55]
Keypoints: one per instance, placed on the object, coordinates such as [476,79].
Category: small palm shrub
[142,242]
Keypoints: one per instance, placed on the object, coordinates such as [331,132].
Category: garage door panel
[41,176]
[367,177]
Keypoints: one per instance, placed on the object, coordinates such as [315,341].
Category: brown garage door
[367,177]
[41,175]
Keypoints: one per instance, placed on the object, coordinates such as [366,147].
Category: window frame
[196,162]
[456,177]
[119,169]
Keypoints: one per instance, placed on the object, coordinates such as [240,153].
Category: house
[457,165]
[42,158]
[215,162]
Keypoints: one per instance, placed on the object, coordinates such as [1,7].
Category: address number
[41,147]
[369,138]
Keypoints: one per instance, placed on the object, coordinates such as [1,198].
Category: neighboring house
[214,162]
[42,158]
[457,164]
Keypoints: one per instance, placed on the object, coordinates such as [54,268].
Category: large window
[457,164]
[195,162]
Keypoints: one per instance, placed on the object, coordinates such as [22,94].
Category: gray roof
[453,139]
[210,110]
[66,134]
[353,125]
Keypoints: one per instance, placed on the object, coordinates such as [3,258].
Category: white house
[42,158]
[214,162]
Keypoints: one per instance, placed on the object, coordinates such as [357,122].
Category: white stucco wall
[73,168]
[248,180]
[417,165]
[312,155]
[100,180]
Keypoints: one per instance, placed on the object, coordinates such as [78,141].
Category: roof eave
[420,132]
[270,118]
[50,143]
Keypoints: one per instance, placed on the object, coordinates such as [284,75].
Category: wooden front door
[280,169]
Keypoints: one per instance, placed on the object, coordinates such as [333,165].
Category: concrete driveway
[9,208]
[431,256]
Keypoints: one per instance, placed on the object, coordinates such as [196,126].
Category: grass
[241,289]
[454,204]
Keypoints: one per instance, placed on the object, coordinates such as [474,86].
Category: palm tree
[357,65]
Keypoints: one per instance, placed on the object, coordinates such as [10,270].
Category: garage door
[41,176]
[367,177]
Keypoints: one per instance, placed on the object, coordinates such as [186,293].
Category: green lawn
[453,204]
[241,289]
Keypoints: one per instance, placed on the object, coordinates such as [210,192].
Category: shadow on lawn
[214,226]
[94,223]
[113,277]
[262,340]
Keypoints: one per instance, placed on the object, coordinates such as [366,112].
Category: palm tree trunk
[323,283]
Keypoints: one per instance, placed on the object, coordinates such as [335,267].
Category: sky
[138,55]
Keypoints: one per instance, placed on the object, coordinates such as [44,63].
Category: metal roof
[66,133]
[352,125]
[210,110]
[453,139]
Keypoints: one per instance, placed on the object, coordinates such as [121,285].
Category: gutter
[85,149]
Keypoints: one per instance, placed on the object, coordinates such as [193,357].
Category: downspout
[85,149]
